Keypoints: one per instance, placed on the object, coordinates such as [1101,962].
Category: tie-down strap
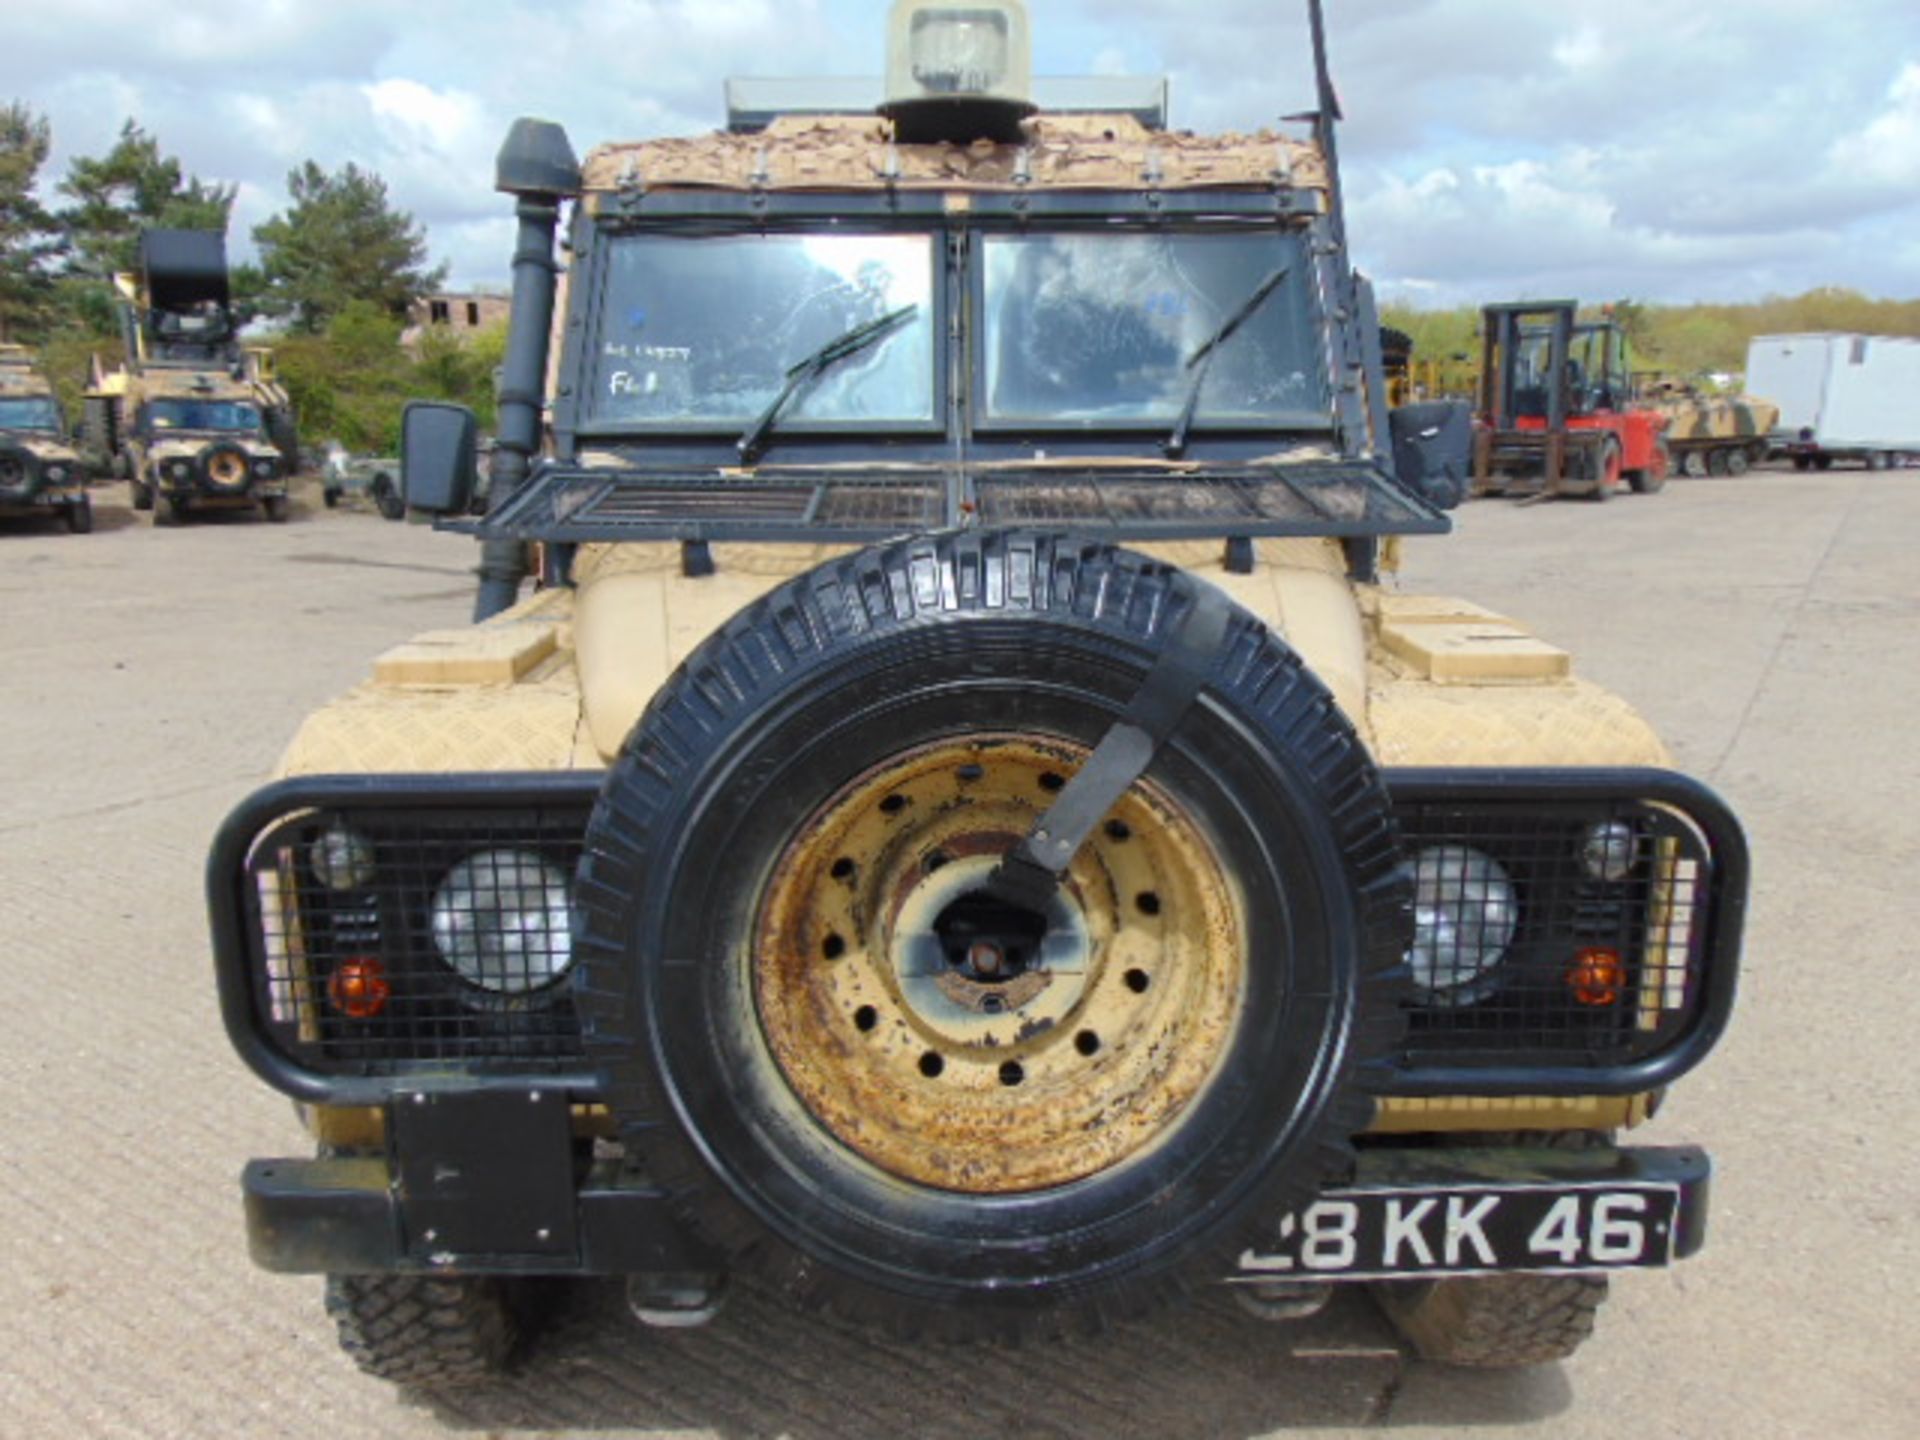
[1029,873]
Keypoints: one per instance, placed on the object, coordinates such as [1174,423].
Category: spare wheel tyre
[857,1073]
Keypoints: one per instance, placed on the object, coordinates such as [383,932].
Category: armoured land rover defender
[40,473]
[191,417]
[964,830]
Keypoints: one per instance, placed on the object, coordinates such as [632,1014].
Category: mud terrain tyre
[1495,1321]
[428,1331]
[892,723]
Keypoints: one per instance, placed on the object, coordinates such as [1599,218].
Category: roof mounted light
[958,71]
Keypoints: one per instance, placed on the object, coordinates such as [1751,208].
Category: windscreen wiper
[1176,443]
[813,367]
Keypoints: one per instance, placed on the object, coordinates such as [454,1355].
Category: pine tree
[29,239]
[341,241]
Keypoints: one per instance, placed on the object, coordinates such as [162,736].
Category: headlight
[56,474]
[1608,851]
[263,469]
[181,470]
[1465,911]
[342,858]
[502,920]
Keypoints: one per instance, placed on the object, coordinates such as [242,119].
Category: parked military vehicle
[376,477]
[191,418]
[1710,434]
[1557,413]
[41,474]
[962,831]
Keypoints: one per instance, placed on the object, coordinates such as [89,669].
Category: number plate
[1382,1234]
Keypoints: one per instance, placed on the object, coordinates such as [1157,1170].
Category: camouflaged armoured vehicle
[968,829]
[40,473]
[1712,434]
[191,418]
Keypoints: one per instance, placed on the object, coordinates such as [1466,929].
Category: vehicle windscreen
[699,333]
[234,415]
[1088,330]
[28,412]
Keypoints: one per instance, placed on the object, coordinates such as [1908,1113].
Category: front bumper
[506,1196]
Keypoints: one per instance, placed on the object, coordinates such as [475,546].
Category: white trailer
[1841,397]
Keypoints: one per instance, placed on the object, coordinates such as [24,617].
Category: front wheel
[277,508]
[142,496]
[1495,1321]
[80,516]
[387,500]
[429,1331]
[1653,479]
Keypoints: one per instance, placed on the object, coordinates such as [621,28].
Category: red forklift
[1556,408]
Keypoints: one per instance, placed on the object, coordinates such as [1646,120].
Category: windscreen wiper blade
[1176,443]
[815,365]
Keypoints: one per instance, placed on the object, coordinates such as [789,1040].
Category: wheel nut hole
[865,1018]
[931,1065]
[1052,781]
[843,869]
[1087,1043]
[1118,830]
[935,861]
[1011,1072]
[893,804]
[833,947]
[970,773]
[1148,902]
[1137,981]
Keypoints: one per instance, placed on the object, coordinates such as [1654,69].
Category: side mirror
[437,456]
[1433,450]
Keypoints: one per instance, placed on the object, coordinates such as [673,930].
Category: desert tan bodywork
[557,683]
[19,380]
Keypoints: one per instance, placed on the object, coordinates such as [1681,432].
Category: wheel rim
[227,470]
[966,1047]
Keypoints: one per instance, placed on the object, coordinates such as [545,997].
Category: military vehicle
[1557,410]
[190,417]
[965,830]
[40,473]
[1710,434]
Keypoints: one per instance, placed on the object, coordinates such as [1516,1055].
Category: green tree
[133,187]
[341,241]
[29,239]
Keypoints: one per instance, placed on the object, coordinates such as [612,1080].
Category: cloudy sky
[1659,149]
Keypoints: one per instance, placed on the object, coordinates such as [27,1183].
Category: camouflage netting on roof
[1066,152]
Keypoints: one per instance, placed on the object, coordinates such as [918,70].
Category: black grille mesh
[1591,970]
[1639,942]
[355,975]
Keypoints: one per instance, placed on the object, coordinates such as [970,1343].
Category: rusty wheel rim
[974,1049]
[227,470]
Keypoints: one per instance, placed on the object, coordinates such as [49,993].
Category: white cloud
[1717,148]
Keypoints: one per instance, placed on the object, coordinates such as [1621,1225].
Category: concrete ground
[1769,626]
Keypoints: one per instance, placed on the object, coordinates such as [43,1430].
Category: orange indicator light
[1597,977]
[358,988]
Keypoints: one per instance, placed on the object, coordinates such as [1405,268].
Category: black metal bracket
[1028,875]
[484,1170]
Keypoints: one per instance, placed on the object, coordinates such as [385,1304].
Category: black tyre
[1823,462]
[386,499]
[1495,1321]
[1694,464]
[1803,462]
[428,1331]
[278,507]
[142,496]
[1602,469]
[177,509]
[1717,464]
[330,497]
[1737,463]
[797,829]
[80,516]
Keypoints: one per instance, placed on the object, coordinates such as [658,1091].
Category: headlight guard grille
[1674,922]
